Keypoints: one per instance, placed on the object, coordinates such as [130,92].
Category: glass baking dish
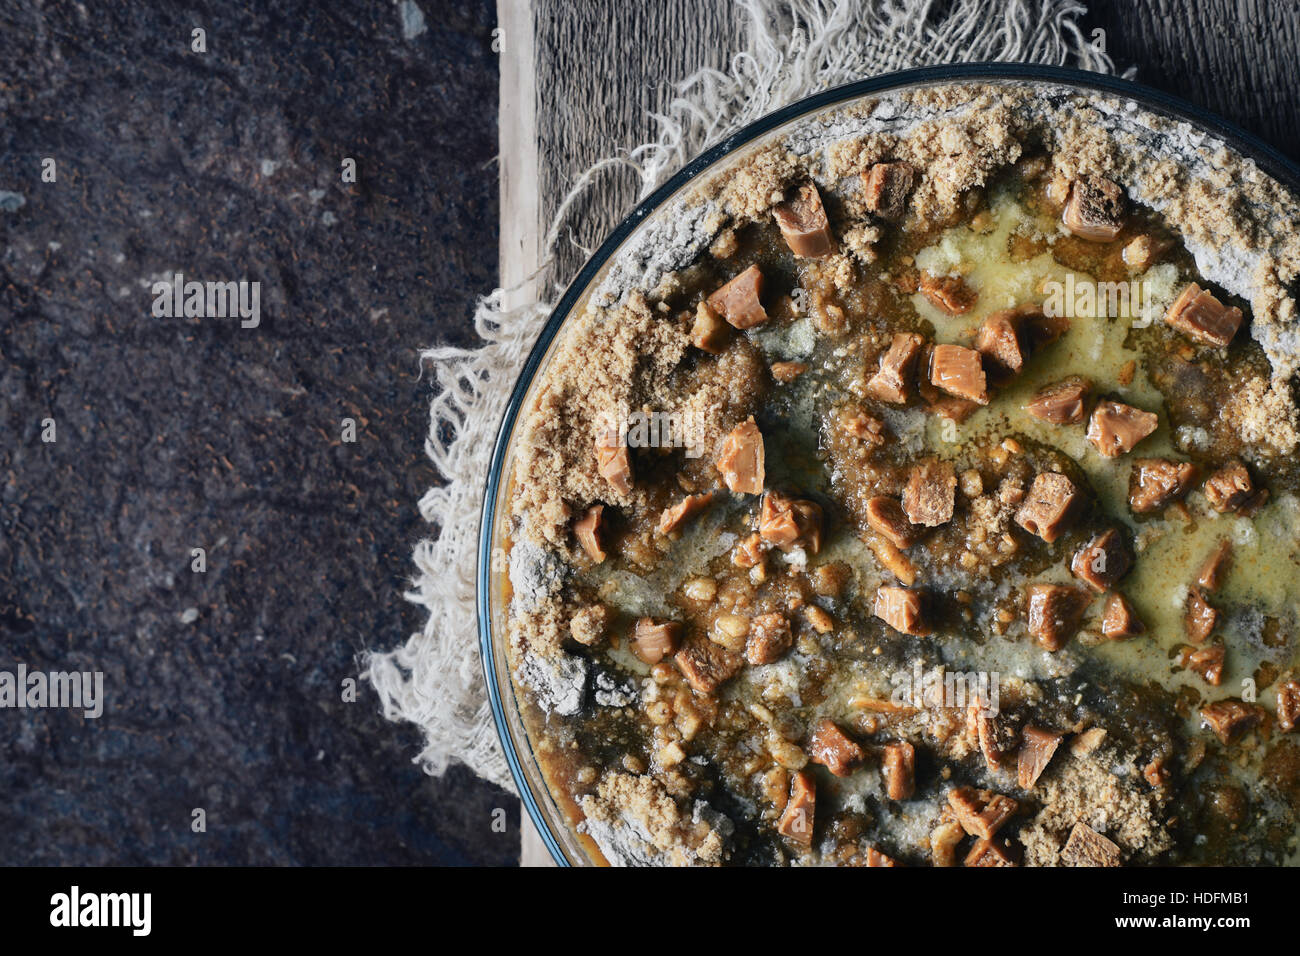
[555,825]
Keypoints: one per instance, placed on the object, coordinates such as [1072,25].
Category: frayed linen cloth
[791,50]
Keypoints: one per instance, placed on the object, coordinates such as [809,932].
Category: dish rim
[1270,160]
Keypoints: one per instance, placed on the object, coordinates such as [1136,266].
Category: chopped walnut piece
[1155,482]
[867,428]
[1199,315]
[742,461]
[1049,506]
[885,187]
[589,624]
[613,461]
[959,372]
[930,494]
[739,301]
[1115,428]
[898,764]
[686,509]
[1231,719]
[876,858]
[981,813]
[1095,210]
[1215,567]
[989,853]
[705,665]
[885,516]
[1199,618]
[1288,704]
[1054,613]
[1062,403]
[1036,750]
[590,530]
[1103,560]
[833,749]
[901,610]
[791,523]
[890,383]
[1229,487]
[1208,662]
[944,840]
[787,372]
[653,641]
[1087,847]
[1141,253]
[1119,620]
[796,821]
[1088,741]
[948,294]
[769,638]
[803,224]
[709,332]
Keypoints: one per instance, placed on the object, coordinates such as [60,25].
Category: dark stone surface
[181,433]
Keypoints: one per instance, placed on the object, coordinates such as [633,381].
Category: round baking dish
[560,836]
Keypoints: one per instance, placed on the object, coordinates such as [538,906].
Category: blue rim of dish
[1269,159]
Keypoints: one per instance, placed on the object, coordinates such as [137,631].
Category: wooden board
[580,81]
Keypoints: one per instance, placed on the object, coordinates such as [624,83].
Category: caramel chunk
[1215,567]
[686,509]
[890,383]
[948,294]
[981,813]
[749,552]
[796,822]
[1156,772]
[885,187]
[1229,487]
[739,301]
[1155,482]
[653,641]
[1199,619]
[898,764]
[1115,428]
[1054,613]
[931,493]
[1288,704]
[1009,338]
[1231,719]
[769,638]
[789,523]
[1200,316]
[613,462]
[1049,506]
[995,736]
[833,749]
[1087,847]
[787,372]
[706,665]
[1119,620]
[1103,560]
[892,559]
[803,224]
[1208,662]
[1036,752]
[1095,210]
[989,853]
[742,459]
[885,516]
[709,333]
[1061,403]
[901,609]
[959,372]
[590,532]
[876,858]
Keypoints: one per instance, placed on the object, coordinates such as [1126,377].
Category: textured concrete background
[224,688]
